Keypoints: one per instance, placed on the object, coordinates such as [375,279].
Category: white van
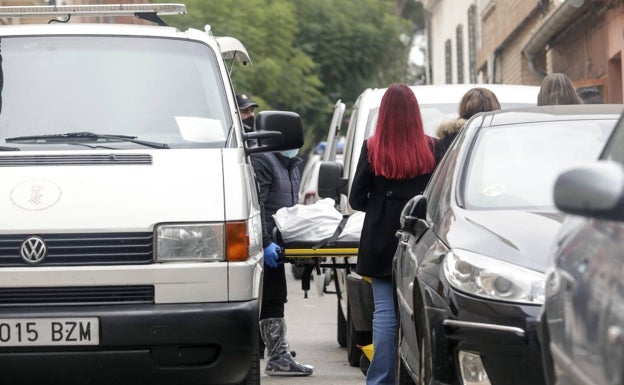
[437,102]
[130,234]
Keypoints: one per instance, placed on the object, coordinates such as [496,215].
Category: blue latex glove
[270,255]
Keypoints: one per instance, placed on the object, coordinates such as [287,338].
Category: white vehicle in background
[437,103]
[308,191]
[130,231]
[332,149]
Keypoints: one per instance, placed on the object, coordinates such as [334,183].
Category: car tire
[402,373]
[341,327]
[253,376]
[354,340]
[547,360]
[425,364]
[297,271]
[364,364]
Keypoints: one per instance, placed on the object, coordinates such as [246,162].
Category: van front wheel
[253,376]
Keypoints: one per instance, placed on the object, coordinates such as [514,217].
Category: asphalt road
[311,331]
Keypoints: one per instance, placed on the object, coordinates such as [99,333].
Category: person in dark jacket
[278,179]
[246,109]
[475,100]
[395,164]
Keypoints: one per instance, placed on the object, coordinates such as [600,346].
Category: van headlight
[493,279]
[190,242]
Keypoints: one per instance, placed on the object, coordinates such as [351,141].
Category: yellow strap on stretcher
[346,251]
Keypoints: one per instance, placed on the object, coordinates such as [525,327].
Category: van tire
[354,339]
[341,329]
[253,376]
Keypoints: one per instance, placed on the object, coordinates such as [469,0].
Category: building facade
[581,38]
[452,29]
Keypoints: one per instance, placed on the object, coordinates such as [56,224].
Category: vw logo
[33,250]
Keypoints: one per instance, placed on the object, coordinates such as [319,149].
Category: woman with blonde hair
[395,164]
[557,88]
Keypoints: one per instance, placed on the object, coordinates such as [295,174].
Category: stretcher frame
[313,257]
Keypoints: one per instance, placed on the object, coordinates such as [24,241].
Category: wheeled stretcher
[312,256]
[335,251]
[338,255]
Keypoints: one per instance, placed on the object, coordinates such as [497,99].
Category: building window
[447,60]
[472,43]
[459,38]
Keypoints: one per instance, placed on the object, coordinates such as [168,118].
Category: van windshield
[154,90]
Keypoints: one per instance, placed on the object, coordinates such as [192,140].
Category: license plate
[49,331]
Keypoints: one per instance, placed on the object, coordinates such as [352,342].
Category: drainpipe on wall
[557,19]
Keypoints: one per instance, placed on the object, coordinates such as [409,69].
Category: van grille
[74,160]
[82,249]
[78,295]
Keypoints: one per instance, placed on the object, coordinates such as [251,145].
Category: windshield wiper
[79,136]
[5,148]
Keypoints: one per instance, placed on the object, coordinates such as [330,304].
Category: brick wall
[499,22]
[515,67]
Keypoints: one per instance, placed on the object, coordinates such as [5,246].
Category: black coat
[278,181]
[447,130]
[382,199]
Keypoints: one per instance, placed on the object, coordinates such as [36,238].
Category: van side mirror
[595,190]
[275,131]
[331,184]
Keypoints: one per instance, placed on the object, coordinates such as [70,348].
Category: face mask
[248,123]
[290,153]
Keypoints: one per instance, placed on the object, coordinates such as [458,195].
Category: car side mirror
[275,131]
[331,184]
[414,214]
[595,191]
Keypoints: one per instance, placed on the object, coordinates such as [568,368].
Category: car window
[439,187]
[516,166]
[431,115]
[172,93]
[615,149]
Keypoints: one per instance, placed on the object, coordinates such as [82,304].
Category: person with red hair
[395,164]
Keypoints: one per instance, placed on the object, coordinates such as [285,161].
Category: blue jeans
[383,365]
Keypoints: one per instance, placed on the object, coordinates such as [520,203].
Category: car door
[600,289]
[334,131]
[585,306]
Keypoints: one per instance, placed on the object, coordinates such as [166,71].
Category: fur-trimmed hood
[449,127]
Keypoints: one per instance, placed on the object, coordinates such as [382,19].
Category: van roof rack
[149,12]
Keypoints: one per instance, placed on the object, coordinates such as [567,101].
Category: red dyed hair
[399,149]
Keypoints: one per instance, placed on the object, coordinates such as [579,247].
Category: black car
[583,315]
[470,267]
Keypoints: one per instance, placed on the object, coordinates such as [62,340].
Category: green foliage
[307,54]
